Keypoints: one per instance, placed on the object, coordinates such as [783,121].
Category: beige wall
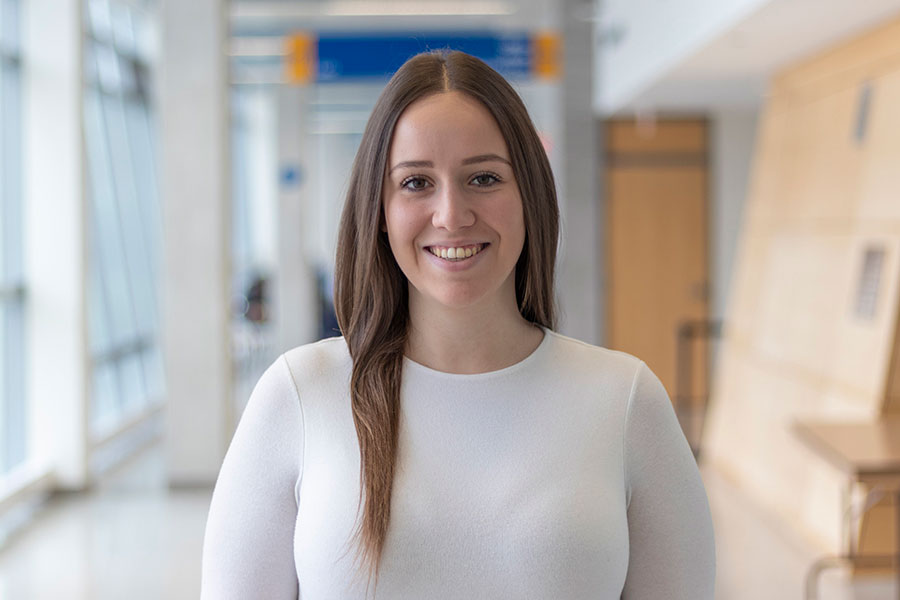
[824,191]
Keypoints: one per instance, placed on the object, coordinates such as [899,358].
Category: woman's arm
[248,547]
[672,549]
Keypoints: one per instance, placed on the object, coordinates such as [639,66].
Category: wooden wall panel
[771,165]
[656,190]
[663,136]
[822,177]
[880,177]
[664,210]
[861,358]
[800,339]
[798,269]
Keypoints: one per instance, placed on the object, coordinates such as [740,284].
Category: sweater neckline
[410,365]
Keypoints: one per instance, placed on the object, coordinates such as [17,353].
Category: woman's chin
[457,299]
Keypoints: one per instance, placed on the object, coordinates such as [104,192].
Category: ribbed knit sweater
[563,476]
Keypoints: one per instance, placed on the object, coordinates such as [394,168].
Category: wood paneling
[825,191]
[682,136]
[657,183]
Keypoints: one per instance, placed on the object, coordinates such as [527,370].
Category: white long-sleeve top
[563,476]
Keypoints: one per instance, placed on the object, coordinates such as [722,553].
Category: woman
[451,445]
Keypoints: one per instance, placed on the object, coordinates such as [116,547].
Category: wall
[733,135]
[805,340]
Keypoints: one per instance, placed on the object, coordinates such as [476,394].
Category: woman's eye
[414,183]
[485,179]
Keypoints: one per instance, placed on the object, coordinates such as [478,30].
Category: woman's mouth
[456,253]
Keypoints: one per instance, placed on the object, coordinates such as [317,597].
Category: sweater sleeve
[672,548]
[248,545]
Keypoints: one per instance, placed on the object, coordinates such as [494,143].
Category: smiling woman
[451,444]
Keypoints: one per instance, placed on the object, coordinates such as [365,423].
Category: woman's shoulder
[583,354]
[324,357]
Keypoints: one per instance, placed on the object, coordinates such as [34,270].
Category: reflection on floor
[132,538]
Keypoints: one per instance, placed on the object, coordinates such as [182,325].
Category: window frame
[14,423]
[124,239]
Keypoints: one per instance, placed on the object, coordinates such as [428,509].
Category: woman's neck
[474,339]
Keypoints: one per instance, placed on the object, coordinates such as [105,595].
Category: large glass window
[13,419]
[124,225]
[253,178]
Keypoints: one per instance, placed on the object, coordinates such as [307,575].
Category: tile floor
[134,539]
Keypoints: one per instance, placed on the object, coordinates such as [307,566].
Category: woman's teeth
[456,254]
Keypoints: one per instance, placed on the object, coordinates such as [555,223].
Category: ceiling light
[370,8]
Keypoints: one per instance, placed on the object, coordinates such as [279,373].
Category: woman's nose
[452,210]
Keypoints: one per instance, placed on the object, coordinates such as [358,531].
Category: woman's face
[452,208]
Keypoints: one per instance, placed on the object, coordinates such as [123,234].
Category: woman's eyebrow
[485,158]
[466,161]
[411,163]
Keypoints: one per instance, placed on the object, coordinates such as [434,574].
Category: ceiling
[278,17]
[731,71]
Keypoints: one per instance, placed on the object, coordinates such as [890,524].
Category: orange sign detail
[300,58]
[546,62]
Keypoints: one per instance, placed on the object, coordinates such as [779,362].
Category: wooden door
[656,191]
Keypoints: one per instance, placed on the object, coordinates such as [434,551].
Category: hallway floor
[132,538]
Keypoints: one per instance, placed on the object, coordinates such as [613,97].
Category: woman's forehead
[450,126]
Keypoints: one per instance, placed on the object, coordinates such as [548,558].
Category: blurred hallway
[133,538]
[172,175]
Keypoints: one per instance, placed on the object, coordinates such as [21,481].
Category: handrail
[687,332]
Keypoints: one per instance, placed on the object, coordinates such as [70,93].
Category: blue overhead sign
[333,57]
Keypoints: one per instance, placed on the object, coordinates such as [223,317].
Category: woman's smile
[456,258]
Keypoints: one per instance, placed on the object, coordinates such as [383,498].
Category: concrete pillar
[733,138]
[296,302]
[56,379]
[581,260]
[196,225]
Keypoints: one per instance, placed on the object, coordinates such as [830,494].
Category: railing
[849,557]
[688,332]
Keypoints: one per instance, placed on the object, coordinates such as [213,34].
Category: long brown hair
[371,293]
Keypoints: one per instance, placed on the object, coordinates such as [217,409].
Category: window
[13,420]
[254,142]
[124,216]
